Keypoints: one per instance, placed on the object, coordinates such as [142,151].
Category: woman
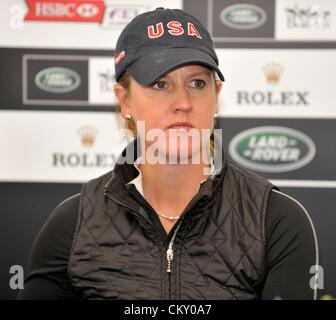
[161,225]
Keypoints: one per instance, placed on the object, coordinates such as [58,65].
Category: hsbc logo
[87,10]
[61,10]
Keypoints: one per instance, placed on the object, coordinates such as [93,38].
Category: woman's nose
[182,100]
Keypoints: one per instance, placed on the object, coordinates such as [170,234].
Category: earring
[128,117]
[215,115]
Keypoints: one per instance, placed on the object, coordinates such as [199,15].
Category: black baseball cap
[155,42]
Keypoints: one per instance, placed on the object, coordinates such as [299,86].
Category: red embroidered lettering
[192,31]
[175,28]
[119,57]
[159,31]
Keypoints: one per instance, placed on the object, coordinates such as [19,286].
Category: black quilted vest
[119,249]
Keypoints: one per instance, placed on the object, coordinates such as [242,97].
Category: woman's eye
[159,85]
[197,83]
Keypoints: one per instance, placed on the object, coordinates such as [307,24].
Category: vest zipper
[169,251]
[170,257]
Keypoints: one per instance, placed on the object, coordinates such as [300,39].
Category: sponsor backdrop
[59,126]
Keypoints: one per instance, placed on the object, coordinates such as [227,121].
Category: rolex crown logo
[273,72]
[87,135]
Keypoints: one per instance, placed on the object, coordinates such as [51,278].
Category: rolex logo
[87,135]
[273,72]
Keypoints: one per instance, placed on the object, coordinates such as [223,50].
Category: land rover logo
[243,16]
[272,149]
[57,80]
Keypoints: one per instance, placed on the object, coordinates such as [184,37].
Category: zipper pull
[170,252]
[170,256]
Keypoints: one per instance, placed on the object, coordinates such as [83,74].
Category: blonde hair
[125,81]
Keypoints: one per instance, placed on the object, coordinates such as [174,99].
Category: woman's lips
[181,126]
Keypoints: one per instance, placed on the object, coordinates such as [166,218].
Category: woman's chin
[172,152]
[181,154]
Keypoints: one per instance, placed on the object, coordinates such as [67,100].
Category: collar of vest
[124,170]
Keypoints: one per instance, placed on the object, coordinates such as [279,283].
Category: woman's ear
[122,95]
[218,85]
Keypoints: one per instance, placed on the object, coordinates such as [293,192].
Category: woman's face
[180,106]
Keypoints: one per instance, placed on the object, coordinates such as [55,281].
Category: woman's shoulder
[46,276]
[289,227]
[55,237]
[245,176]
[291,249]
[64,215]
[284,208]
